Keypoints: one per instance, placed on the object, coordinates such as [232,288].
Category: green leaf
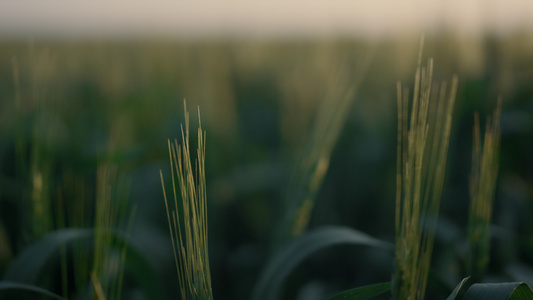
[499,291]
[27,266]
[10,285]
[298,249]
[459,289]
[363,293]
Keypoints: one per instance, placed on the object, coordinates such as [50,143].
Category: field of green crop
[301,142]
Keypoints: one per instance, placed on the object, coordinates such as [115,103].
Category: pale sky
[67,18]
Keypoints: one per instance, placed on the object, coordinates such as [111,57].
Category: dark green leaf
[298,249]
[459,289]
[26,267]
[363,293]
[10,285]
[499,291]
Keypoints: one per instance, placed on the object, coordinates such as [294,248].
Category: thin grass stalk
[423,137]
[313,162]
[99,290]
[41,158]
[482,189]
[102,223]
[109,254]
[64,270]
[77,218]
[123,252]
[60,224]
[20,146]
[188,218]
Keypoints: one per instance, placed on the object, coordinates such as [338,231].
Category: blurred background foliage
[67,107]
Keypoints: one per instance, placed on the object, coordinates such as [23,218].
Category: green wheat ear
[188,220]
[422,149]
[107,273]
[482,188]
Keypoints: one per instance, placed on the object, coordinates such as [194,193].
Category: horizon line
[238,18]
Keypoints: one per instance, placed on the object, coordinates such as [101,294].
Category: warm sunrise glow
[258,18]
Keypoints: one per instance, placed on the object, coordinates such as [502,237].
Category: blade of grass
[298,249]
[313,163]
[460,289]
[41,157]
[28,266]
[110,212]
[10,285]
[100,294]
[363,293]
[499,291]
[75,208]
[482,189]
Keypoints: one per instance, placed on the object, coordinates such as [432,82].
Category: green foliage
[107,270]
[364,292]
[499,291]
[492,291]
[313,162]
[298,249]
[29,265]
[482,189]
[459,291]
[188,224]
[68,110]
[9,285]
[423,140]
[35,162]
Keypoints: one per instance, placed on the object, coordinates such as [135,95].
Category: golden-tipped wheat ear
[188,220]
[482,189]
[423,139]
